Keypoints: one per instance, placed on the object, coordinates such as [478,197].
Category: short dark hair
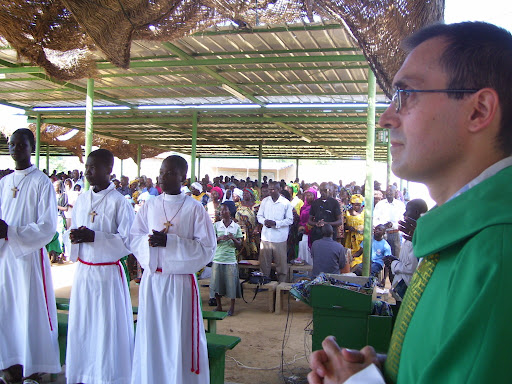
[28,134]
[105,155]
[327,230]
[179,162]
[478,55]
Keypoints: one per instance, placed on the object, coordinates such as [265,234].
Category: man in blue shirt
[328,255]
[380,249]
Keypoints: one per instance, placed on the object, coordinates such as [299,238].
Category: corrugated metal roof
[300,63]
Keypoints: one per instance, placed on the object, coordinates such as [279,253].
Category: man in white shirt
[276,216]
[388,212]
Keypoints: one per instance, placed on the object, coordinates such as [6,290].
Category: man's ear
[485,109]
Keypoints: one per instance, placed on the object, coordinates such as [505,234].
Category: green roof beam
[211,120]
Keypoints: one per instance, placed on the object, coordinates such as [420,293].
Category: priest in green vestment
[450,124]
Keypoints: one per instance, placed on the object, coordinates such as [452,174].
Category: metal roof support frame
[199,168]
[89,120]
[48,159]
[139,158]
[260,158]
[370,149]
[38,139]
[193,149]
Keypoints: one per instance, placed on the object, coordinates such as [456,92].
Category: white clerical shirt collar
[491,171]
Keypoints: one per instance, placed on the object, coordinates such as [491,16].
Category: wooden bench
[211,317]
[217,344]
[217,347]
[299,268]
[281,288]
[269,287]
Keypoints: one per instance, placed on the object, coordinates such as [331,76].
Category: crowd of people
[453,134]
[272,222]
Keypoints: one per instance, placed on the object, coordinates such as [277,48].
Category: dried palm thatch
[59,35]
[50,135]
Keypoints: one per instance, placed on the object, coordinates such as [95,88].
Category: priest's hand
[333,365]
[81,235]
[3,229]
[158,239]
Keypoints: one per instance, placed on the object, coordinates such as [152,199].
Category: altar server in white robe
[172,237]
[100,329]
[28,315]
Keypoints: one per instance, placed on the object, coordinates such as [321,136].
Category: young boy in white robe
[173,238]
[28,315]
[100,329]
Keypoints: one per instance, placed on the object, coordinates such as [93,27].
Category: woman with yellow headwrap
[354,227]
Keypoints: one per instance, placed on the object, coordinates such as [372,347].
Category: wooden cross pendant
[14,191]
[167,225]
[92,214]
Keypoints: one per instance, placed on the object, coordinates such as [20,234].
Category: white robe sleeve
[186,256]
[72,249]
[139,240]
[26,239]
[109,247]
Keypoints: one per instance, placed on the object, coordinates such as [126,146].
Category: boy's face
[96,171]
[20,148]
[171,177]
[378,232]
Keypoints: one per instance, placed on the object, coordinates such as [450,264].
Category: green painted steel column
[388,180]
[260,158]
[48,158]
[199,168]
[193,150]
[296,168]
[370,149]
[139,158]
[89,113]
[38,139]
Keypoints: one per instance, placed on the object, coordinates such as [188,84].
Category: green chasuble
[461,329]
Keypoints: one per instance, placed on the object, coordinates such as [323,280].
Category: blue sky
[497,12]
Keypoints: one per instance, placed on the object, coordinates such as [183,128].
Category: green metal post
[139,158]
[48,158]
[388,181]
[260,158]
[370,143]
[296,168]
[38,139]
[89,113]
[193,149]
[199,168]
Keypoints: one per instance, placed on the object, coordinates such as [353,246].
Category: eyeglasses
[400,96]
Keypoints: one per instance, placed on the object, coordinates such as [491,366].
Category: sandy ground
[268,340]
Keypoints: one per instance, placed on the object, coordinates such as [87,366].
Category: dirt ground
[268,340]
